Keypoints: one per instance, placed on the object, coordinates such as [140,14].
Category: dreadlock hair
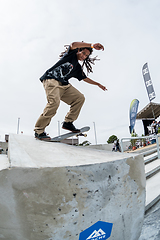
[87,62]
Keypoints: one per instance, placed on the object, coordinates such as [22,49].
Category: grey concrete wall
[53,191]
[109,147]
[4,146]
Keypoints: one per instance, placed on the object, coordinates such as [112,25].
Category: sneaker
[69,126]
[42,136]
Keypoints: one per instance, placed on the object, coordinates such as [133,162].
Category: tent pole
[152,111]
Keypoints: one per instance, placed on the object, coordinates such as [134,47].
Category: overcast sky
[33,33]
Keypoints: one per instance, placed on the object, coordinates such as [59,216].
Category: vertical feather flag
[133,114]
[148,82]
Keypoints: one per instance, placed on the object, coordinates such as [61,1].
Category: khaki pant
[56,92]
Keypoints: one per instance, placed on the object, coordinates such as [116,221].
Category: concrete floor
[151,225]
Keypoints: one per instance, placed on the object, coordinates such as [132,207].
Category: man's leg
[51,87]
[75,99]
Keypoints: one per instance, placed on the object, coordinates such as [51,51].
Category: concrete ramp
[53,191]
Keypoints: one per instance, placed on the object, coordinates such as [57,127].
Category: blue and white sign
[98,231]
[133,113]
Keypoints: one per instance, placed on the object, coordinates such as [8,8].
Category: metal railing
[145,137]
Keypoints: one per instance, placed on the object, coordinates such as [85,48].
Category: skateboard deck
[70,134]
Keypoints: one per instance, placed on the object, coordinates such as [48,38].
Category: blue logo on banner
[98,231]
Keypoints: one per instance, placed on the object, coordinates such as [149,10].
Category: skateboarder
[57,87]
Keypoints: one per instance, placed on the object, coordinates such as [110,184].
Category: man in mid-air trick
[57,87]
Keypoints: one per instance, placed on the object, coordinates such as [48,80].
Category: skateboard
[70,134]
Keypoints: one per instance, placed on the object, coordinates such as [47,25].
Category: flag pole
[152,110]
[95,132]
[18,126]
[58,128]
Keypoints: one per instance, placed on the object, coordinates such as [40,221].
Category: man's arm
[96,46]
[88,80]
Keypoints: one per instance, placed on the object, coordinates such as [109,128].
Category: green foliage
[133,141]
[112,139]
[143,140]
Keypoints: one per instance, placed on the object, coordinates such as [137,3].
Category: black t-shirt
[66,68]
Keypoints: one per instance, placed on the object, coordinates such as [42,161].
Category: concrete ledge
[26,151]
[153,190]
[152,172]
[54,191]
[152,203]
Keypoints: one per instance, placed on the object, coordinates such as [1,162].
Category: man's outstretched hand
[98,46]
[102,87]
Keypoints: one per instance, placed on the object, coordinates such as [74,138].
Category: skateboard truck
[81,134]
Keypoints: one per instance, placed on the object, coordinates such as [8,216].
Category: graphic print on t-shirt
[61,71]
